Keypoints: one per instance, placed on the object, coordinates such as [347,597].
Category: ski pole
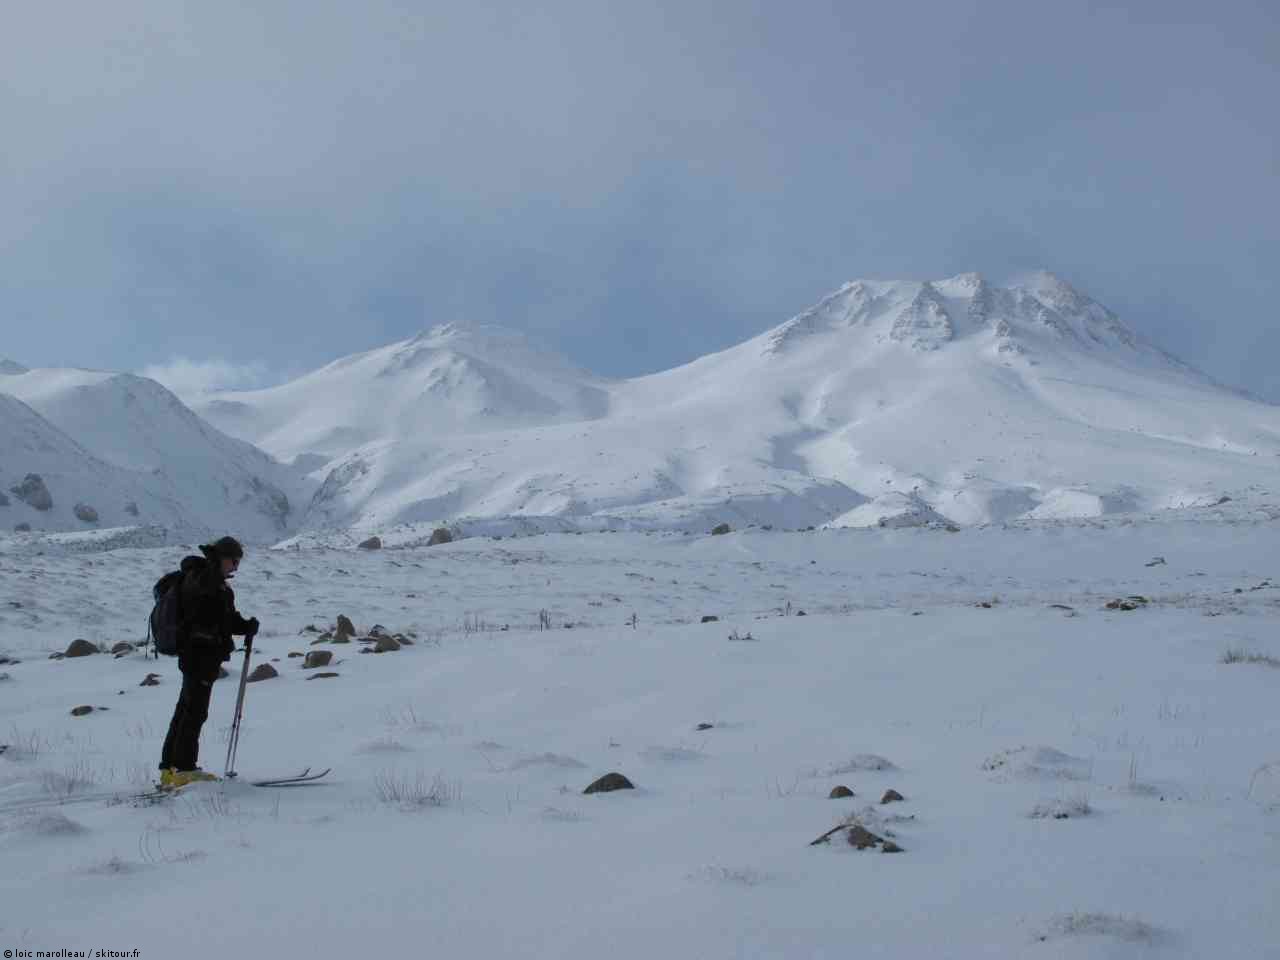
[234,740]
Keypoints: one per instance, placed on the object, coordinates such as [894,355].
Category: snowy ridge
[452,378]
[138,456]
[905,402]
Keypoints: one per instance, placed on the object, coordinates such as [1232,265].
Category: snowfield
[1081,777]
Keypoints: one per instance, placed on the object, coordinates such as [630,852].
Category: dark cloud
[636,183]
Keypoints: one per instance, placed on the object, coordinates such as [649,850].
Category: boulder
[892,796]
[263,671]
[378,630]
[440,535]
[720,529]
[121,648]
[150,680]
[80,648]
[861,838]
[386,645]
[86,513]
[710,618]
[839,792]
[81,711]
[33,492]
[373,543]
[131,508]
[322,675]
[610,782]
[345,627]
[317,658]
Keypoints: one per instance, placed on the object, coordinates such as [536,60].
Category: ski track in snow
[1079,782]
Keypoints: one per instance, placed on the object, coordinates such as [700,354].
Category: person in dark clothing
[209,621]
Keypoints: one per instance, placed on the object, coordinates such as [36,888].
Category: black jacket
[209,615]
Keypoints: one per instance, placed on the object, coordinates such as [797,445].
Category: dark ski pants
[182,745]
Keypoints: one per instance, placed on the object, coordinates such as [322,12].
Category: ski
[306,776]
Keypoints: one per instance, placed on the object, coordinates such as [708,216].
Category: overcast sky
[242,191]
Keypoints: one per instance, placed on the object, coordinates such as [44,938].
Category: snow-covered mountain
[157,462]
[451,379]
[899,401]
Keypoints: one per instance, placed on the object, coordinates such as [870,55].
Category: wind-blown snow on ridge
[449,379]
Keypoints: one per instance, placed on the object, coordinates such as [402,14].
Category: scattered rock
[122,648]
[720,529]
[892,796]
[386,645]
[1128,603]
[80,648]
[86,513]
[839,792]
[263,671]
[610,782]
[81,711]
[294,653]
[345,627]
[890,847]
[322,675]
[862,839]
[705,726]
[150,680]
[440,535]
[373,543]
[1155,562]
[317,658]
[378,630]
[801,613]
[709,618]
[33,492]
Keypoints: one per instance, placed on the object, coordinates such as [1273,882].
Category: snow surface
[1079,781]
[947,401]
[175,468]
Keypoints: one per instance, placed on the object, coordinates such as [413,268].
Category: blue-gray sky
[261,187]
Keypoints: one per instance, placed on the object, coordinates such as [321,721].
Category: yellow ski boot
[173,778]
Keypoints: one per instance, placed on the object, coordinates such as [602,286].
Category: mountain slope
[906,401]
[449,379]
[207,479]
[70,476]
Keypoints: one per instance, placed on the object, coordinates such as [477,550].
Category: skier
[209,621]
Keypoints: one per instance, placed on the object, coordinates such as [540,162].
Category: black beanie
[226,547]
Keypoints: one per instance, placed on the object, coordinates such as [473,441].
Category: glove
[252,623]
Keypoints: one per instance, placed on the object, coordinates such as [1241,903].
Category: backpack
[166,615]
